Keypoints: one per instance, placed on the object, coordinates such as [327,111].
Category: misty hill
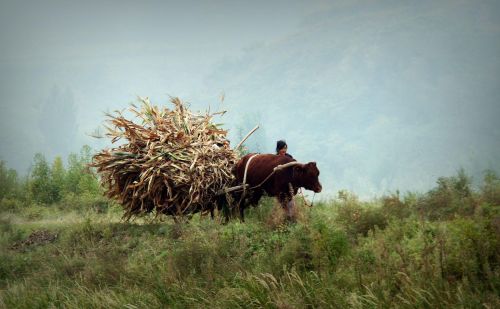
[376,93]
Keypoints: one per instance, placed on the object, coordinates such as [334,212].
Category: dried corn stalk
[173,163]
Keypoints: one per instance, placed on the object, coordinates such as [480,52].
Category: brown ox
[283,184]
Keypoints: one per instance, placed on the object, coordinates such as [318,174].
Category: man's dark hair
[280,145]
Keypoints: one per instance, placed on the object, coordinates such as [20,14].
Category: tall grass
[397,251]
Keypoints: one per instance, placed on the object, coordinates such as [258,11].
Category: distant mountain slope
[383,97]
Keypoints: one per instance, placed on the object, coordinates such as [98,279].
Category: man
[281,148]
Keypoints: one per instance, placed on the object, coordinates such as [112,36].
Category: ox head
[306,175]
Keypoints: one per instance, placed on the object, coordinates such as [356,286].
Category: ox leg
[241,209]
[244,200]
[255,198]
[290,209]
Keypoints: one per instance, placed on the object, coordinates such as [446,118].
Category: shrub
[358,218]
[491,188]
[9,182]
[453,195]
[393,206]
[10,204]
[85,202]
[34,212]
[472,252]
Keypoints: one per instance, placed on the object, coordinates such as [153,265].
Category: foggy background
[384,95]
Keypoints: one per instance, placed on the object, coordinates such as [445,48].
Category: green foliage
[356,217]
[9,183]
[474,253]
[57,176]
[297,251]
[53,184]
[40,185]
[13,190]
[96,263]
[440,249]
[423,264]
[79,177]
[491,188]
[10,204]
[329,244]
[453,195]
[394,207]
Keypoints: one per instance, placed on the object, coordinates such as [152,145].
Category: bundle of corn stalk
[173,162]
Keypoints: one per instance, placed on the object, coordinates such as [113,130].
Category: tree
[9,184]
[57,177]
[74,173]
[491,187]
[40,184]
[79,177]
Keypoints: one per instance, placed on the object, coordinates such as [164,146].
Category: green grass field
[341,254]
[62,244]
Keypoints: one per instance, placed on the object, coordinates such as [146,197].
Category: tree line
[50,182]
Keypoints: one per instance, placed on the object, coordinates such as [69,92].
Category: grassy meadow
[62,244]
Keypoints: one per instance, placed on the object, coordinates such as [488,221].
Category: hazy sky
[384,95]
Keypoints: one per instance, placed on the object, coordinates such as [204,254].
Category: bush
[10,186]
[472,250]
[358,218]
[34,212]
[394,207]
[10,204]
[491,188]
[452,196]
[85,202]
